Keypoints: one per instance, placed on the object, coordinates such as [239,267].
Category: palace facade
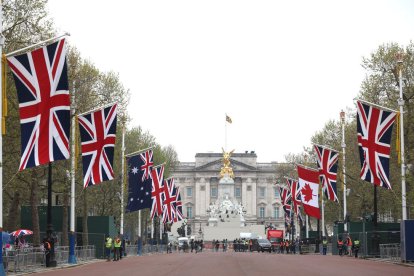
[254,188]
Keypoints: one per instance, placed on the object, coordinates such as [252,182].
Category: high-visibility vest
[325,242]
[349,241]
[356,243]
[340,243]
[108,243]
[117,243]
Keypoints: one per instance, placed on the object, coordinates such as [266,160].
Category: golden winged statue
[226,169]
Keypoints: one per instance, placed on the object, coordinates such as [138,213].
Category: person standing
[324,245]
[108,248]
[117,248]
[349,245]
[340,245]
[356,247]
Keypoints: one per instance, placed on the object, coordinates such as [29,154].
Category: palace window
[276,214]
[262,191]
[262,212]
[213,192]
[276,192]
[189,212]
[237,191]
[189,191]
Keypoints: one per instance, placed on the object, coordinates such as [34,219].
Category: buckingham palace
[254,188]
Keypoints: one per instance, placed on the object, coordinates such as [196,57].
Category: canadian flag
[309,189]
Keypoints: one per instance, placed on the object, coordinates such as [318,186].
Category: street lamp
[401,104]
[342,116]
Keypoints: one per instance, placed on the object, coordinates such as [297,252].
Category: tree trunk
[85,219]
[65,241]
[14,212]
[34,204]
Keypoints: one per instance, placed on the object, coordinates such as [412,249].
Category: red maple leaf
[307,193]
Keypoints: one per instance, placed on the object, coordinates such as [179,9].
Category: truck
[275,237]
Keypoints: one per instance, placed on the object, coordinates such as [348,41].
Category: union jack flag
[285,198]
[170,197]
[44,104]
[147,165]
[178,206]
[328,166]
[295,194]
[157,192]
[374,128]
[98,133]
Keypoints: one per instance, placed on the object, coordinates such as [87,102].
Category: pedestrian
[324,245]
[282,246]
[349,245]
[340,245]
[122,249]
[108,247]
[192,245]
[117,248]
[356,247]
[46,247]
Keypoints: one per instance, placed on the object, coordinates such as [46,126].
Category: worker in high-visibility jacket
[117,248]
[357,244]
[324,245]
[108,248]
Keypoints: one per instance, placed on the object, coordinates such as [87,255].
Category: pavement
[234,263]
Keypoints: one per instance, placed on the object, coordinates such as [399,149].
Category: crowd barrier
[390,251]
[32,258]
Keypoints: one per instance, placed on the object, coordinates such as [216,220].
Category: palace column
[244,194]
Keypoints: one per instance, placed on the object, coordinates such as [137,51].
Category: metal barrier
[370,242]
[29,259]
[390,251]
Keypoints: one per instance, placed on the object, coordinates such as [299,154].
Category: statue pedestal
[226,188]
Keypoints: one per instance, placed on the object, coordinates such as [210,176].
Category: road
[232,263]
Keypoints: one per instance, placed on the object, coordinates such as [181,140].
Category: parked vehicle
[183,243]
[275,237]
[260,245]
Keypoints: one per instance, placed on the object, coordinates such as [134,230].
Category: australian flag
[139,182]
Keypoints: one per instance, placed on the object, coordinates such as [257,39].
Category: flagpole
[307,226]
[225,134]
[72,256]
[401,104]
[139,233]
[122,179]
[323,217]
[342,116]
[2,272]
[37,44]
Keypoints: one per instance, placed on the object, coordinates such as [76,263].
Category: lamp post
[342,116]
[401,104]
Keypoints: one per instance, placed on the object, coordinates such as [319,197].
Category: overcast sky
[279,69]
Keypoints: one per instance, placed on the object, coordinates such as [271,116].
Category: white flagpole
[401,104]
[161,229]
[342,115]
[139,223]
[122,179]
[2,272]
[323,216]
[225,134]
[152,229]
[307,226]
[37,44]
[72,256]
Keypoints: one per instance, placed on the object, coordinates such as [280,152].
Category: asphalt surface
[232,263]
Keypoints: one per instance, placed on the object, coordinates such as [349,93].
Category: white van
[181,242]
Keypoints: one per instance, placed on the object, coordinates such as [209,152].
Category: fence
[29,259]
[370,242]
[390,251]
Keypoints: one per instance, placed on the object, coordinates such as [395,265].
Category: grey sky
[279,69]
